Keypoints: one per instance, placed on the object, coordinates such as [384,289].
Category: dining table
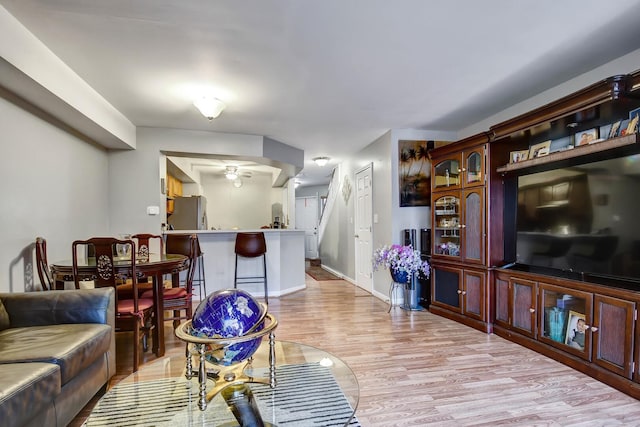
[155,266]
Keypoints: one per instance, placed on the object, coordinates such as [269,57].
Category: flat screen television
[581,220]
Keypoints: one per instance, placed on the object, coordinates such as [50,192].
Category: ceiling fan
[233,172]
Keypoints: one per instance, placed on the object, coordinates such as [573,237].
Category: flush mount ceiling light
[321,161]
[231,173]
[209,106]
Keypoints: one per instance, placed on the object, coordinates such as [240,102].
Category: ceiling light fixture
[237,183]
[231,173]
[209,106]
[321,161]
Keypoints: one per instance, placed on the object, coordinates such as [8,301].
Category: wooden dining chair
[143,244]
[42,265]
[178,298]
[132,314]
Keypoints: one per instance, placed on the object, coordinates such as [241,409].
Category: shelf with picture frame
[578,151]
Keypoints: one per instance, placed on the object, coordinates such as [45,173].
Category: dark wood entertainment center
[587,321]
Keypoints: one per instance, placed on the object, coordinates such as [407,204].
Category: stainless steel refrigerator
[189,213]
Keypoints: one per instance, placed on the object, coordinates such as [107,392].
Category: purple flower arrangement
[400,258]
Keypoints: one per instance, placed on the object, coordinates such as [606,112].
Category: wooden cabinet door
[612,334]
[446,287]
[473,173]
[502,300]
[473,294]
[524,306]
[472,229]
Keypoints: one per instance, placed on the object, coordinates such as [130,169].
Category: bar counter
[285,260]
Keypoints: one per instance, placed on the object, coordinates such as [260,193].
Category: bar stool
[251,245]
[200,281]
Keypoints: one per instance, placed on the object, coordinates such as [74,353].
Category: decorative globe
[229,313]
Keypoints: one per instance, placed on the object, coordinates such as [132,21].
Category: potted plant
[403,262]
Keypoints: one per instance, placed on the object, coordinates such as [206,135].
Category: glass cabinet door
[446,225]
[446,174]
[566,319]
[474,168]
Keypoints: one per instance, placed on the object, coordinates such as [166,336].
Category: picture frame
[586,137]
[574,330]
[561,144]
[518,156]
[414,170]
[539,150]
[615,128]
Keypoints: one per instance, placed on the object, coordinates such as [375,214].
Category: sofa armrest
[58,307]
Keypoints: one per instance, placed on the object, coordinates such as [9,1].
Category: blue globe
[229,313]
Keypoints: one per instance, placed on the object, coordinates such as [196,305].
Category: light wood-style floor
[418,369]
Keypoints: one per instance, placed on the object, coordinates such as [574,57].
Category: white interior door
[307,220]
[363,227]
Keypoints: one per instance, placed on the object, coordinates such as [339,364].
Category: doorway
[363,228]
[307,220]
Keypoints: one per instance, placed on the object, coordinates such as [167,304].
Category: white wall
[228,207]
[53,185]
[623,65]
[337,249]
[410,216]
[312,190]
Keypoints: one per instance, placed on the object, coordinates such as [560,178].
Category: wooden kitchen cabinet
[174,189]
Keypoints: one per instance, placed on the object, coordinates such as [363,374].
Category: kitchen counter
[285,260]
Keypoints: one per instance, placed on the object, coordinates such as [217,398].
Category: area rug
[319,273]
[307,395]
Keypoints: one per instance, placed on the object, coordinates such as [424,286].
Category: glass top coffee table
[313,388]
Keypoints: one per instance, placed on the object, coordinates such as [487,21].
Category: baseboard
[332,271]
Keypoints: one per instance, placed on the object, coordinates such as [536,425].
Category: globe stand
[226,375]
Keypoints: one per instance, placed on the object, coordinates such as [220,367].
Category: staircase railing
[332,192]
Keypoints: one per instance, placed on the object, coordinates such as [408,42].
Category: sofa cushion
[4,317]
[26,390]
[73,347]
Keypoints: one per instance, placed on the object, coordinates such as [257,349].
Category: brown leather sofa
[57,350]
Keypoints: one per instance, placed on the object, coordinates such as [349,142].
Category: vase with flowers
[403,262]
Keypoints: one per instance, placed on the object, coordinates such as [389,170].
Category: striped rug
[306,395]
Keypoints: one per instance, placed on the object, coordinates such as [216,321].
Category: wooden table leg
[158,307]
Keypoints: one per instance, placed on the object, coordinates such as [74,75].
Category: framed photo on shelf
[576,329]
[615,128]
[518,156]
[539,150]
[561,144]
[586,137]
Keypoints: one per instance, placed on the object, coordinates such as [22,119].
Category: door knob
[356,236]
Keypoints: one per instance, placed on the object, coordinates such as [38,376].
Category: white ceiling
[328,76]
